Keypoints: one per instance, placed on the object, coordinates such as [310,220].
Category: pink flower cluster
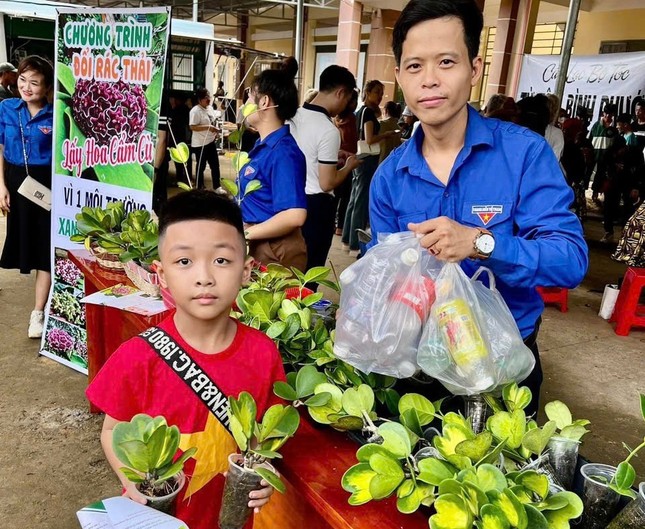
[67,271]
[103,110]
[60,340]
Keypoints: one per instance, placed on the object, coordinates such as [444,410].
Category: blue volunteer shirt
[278,163]
[507,180]
[38,133]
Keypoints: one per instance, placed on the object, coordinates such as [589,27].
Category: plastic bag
[471,342]
[385,300]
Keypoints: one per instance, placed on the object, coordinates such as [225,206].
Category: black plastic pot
[240,481]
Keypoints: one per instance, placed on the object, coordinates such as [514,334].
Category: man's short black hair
[418,11]
[334,77]
[624,118]
[610,108]
[279,86]
[200,204]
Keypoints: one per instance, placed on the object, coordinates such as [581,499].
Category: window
[548,39]
[182,72]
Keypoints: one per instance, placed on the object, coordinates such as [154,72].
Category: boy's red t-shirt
[136,380]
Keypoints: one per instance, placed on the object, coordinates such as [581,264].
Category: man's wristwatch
[484,244]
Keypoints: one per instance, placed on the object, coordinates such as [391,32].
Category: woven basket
[109,261]
[145,281]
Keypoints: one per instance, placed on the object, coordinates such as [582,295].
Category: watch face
[486,244]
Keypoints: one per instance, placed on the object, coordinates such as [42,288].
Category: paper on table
[127,298]
[125,514]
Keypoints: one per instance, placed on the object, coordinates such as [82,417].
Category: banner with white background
[592,80]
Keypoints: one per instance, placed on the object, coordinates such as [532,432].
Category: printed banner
[109,79]
[592,81]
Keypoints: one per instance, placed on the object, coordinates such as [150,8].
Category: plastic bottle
[464,342]
[408,308]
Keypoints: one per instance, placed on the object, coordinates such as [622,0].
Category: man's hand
[352,163]
[133,493]
[446,239]
[259,498]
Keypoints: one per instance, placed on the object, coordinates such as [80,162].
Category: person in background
[494,104]
[8,76]
[553,134]
[162,160]
[534,113]
[179,132]
[275,212]
[204,141]
[602,136]
[476,191]
[346,123]
[392,111]
[406,123]
[319,140]
[369,126]
[26,149]
[220,92]
[624,126]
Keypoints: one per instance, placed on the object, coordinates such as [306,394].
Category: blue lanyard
[22,136]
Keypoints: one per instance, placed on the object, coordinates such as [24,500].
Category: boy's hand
[130,491]
[259,498]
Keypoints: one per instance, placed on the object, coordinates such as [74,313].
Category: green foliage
[625,476]
[260,440]
[566,427]
[147,447]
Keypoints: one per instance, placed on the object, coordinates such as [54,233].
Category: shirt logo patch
[249,170]
[44,129]
[486,213]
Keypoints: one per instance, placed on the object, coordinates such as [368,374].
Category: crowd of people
[606,155]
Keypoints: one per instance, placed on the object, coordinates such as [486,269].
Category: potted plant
[259,443]
[633,515]
[99,229]
[147,447]
[140,235]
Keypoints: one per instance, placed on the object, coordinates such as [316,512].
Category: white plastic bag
[608,302]
[384,302]
[471,342]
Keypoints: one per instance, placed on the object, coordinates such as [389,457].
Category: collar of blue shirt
[274,138]
[18,104]
[477,133]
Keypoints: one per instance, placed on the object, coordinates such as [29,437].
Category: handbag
[364,148]
[30,188]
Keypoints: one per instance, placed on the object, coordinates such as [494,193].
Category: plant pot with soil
[147,447]
[258,443]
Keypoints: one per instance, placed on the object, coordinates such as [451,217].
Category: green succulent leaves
[147,447]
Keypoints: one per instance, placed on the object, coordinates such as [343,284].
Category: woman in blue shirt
[26,147]
[275,212]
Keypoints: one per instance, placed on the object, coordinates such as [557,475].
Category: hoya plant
[260,441]
[140,235]
[181,154]
[147,446]
[625,475]
[101,228]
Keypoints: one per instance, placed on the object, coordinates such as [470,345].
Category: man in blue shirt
[477,191]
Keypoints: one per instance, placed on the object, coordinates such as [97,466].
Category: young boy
[203,263]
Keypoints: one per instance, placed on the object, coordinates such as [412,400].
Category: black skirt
[28,241]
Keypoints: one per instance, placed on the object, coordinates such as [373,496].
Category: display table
[314,460]
[107,327]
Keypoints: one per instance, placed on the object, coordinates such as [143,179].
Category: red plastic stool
[555,295]
[628,313]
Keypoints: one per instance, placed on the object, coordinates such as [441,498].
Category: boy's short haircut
[393,109]
[200,204]
[624,118]
[418,11]
[334,77]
